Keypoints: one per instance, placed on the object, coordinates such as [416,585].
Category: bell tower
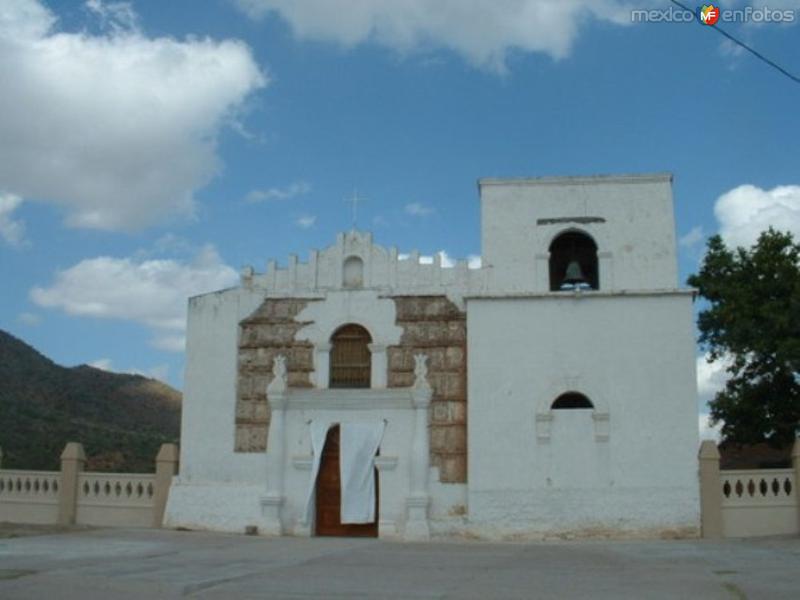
[613,233]
[581,358]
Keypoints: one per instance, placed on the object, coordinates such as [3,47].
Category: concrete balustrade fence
[747,503]
[74,496]
[734,503]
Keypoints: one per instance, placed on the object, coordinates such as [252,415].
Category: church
[551,391]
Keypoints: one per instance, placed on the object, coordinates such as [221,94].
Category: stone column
[379,366]
[322,365]
[166,468]
[272,502]
[710,491]
[73,460]
[796,466]
[419,499]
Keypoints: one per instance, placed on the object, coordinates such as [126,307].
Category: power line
[752,51]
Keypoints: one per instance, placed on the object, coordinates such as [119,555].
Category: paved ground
[169,564]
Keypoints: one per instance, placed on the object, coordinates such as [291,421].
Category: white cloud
[447,261]
[692,238]
[306,221]
[444,257]
[29,318]
[484,32]
[117,16]
[298,188]
[104,364]
[417,209]
[160,372]
[150,292]
[11,230]
[711,377]
[707,432]
[119,129]
[744,212]
[170,343]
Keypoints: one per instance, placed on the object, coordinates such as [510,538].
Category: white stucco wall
[216,488]
[631,355]
[636,241]
[628,347]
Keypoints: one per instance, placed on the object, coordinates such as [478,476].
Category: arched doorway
[329,494]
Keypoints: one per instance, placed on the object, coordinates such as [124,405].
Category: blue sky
[149,150]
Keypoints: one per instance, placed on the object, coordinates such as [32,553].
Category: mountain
[120,419]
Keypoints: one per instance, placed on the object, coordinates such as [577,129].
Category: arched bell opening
[573,262]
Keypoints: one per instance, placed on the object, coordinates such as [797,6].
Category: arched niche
[353,273]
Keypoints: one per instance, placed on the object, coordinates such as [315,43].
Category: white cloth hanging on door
[319,432]
[358,443]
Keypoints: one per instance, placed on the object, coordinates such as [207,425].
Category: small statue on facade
[421,371]
[279,381]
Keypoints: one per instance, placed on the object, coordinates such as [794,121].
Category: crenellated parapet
[356,262]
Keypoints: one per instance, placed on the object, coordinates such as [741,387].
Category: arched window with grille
[573,262]
[350,358]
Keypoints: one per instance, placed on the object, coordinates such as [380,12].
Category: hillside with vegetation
[121,419]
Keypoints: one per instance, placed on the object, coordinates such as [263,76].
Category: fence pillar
[796,465]
[710,491]
[166,468]
[1,458]
[73,459]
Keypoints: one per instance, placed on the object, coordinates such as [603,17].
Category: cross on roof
[354,200]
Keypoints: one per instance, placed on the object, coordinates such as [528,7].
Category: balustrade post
[73,460]
[710,491]
[166,468]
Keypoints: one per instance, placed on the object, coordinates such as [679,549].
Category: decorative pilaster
[380,366]
[272,502]
[322,365]
[418,501]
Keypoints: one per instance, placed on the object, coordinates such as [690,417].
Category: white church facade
[363,392]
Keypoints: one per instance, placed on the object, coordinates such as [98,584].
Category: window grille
[350,362]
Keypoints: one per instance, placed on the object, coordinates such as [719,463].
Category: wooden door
[328,494]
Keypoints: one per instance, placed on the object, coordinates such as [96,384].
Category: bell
[574,279]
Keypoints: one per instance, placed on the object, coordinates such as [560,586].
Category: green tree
[753,320]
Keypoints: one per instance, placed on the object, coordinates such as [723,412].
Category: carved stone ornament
[280,380]
[421,371]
